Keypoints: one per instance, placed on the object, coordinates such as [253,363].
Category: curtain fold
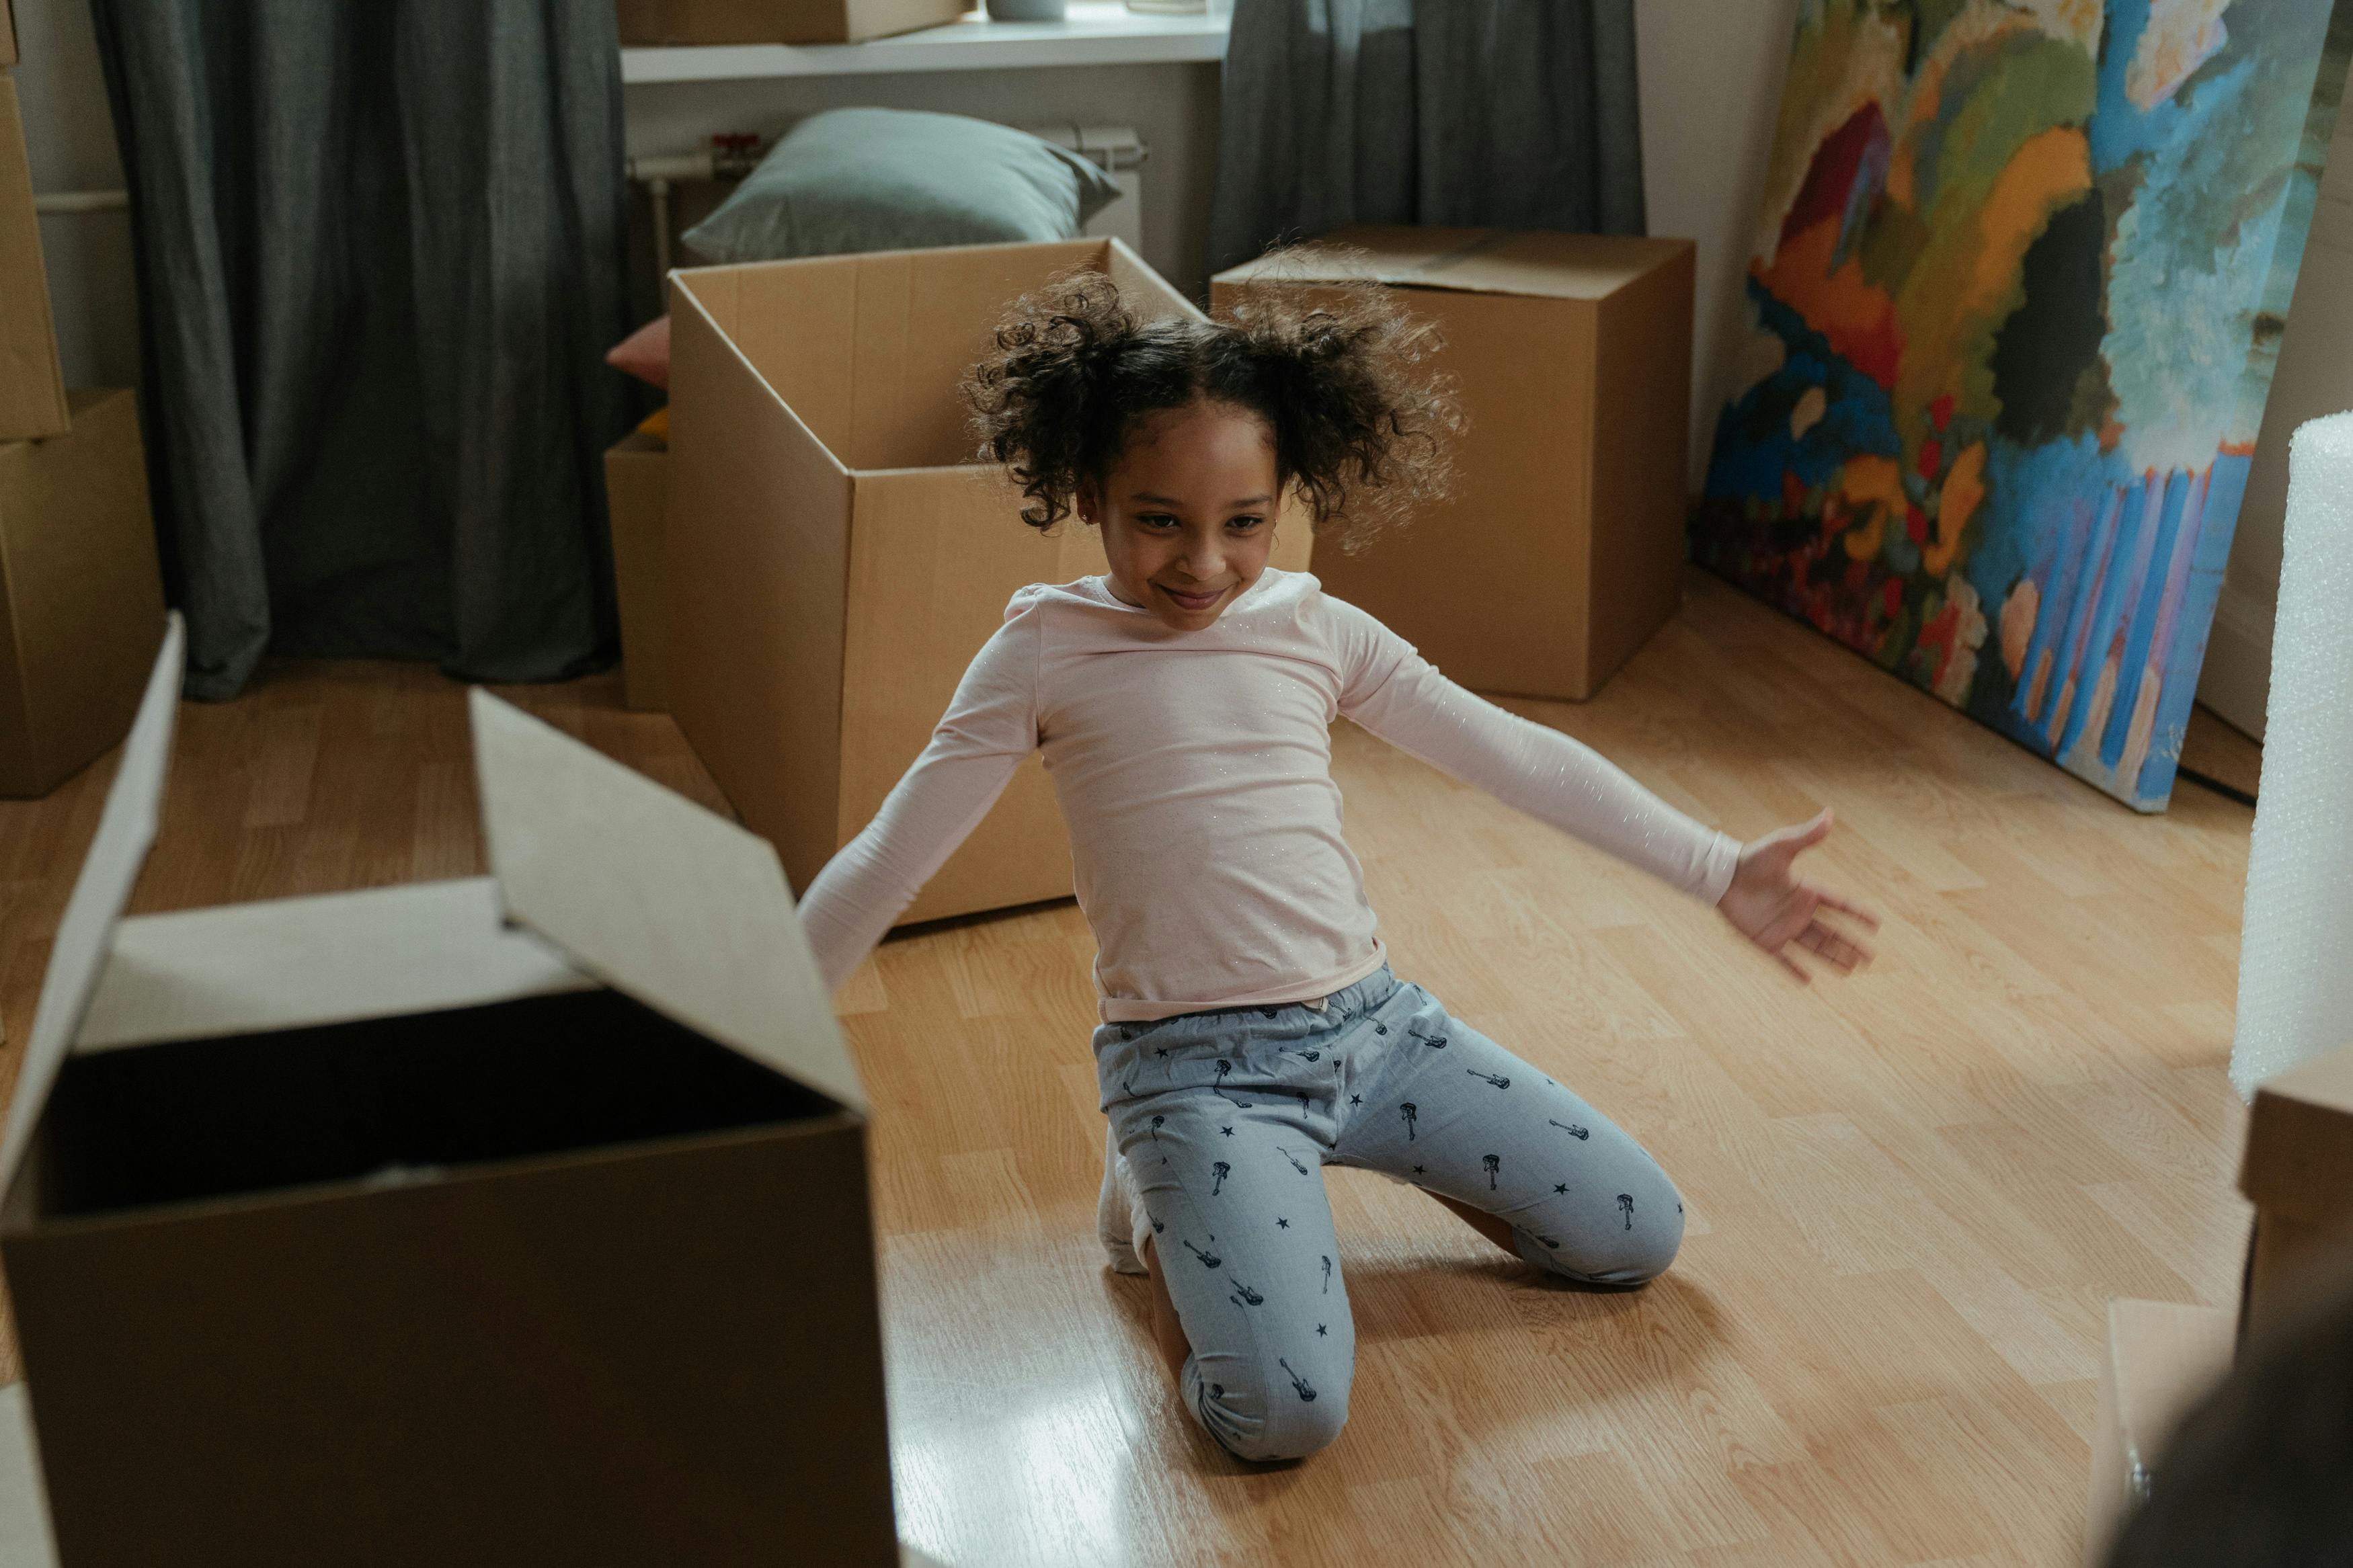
[381,255]
[1510,113]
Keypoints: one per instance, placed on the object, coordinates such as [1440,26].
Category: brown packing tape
[32,386]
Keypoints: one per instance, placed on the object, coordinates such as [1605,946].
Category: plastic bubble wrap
[2295,949]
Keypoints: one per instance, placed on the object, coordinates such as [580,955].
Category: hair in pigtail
[1341,374]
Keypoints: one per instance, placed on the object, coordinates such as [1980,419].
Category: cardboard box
[835,562]
[2298,1172]
[82,601]
[1563,548]
[637,497]
[32,385]
[655,23]
[520,1219]
[2161,1358]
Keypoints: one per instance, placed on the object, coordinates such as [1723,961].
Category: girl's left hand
[1773,907]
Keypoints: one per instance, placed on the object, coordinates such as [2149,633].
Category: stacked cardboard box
[835,558]
[82,601]
[2298,1172]
[1562,549]
[515,1219]
[32,388]
[663,22]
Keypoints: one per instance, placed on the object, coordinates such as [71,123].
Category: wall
[2315,377]
[70,140]
[1711,83]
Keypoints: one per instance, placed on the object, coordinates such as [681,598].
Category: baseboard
[2236,681]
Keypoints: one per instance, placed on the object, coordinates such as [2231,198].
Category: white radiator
[1121,153]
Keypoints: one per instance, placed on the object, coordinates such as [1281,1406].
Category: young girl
[1251,1032]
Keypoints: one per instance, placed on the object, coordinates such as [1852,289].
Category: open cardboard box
[2298,1172]
[835,558]
[1562,549]
[2161,1358]
[519,1219]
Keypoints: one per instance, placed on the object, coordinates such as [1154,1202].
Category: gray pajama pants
[1226,1121]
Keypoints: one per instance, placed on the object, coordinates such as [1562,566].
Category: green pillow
[896,179]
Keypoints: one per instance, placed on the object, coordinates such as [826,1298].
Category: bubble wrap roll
[2295,949]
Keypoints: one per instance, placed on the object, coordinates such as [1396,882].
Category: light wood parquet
[1910,1194]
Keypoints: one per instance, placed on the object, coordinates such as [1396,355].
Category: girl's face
[1187,513]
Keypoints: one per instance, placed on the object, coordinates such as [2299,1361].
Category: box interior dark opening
[390,1098]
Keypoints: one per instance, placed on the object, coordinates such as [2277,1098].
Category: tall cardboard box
[515,1220]
[32,385]
[835,560]
[82,601]
[653,23]
[1562,549]
[2298,1172]
[2161,1358]
[637,499]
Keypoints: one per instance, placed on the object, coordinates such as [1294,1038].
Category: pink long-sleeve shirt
[1194,770]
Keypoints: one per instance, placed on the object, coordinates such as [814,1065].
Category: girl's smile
[1186,512]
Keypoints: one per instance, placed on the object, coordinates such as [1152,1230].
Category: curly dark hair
[1341,374]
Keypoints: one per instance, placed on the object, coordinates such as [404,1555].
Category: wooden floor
[1909,1194]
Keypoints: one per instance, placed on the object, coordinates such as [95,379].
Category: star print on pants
[1321,1332]
[1356,1099]
[1560,1186]
[1282,1224]
[1417,1170]
[1227,1130]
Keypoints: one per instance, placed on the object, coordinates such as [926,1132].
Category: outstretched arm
[1545,774]
[989,730]
[1555,779]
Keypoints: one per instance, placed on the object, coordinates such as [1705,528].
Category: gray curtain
[1510,113]
[381,255]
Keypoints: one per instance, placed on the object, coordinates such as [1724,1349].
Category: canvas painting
[2015,298]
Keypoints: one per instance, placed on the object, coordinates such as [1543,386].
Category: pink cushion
[645,353]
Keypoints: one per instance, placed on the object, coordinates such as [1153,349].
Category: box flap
[125,830]
[2299,1158]
[2160,1357]
[289,964]
[1530,263]
[26,1540]
[679,909]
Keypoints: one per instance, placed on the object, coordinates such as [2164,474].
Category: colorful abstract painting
[2015,301]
